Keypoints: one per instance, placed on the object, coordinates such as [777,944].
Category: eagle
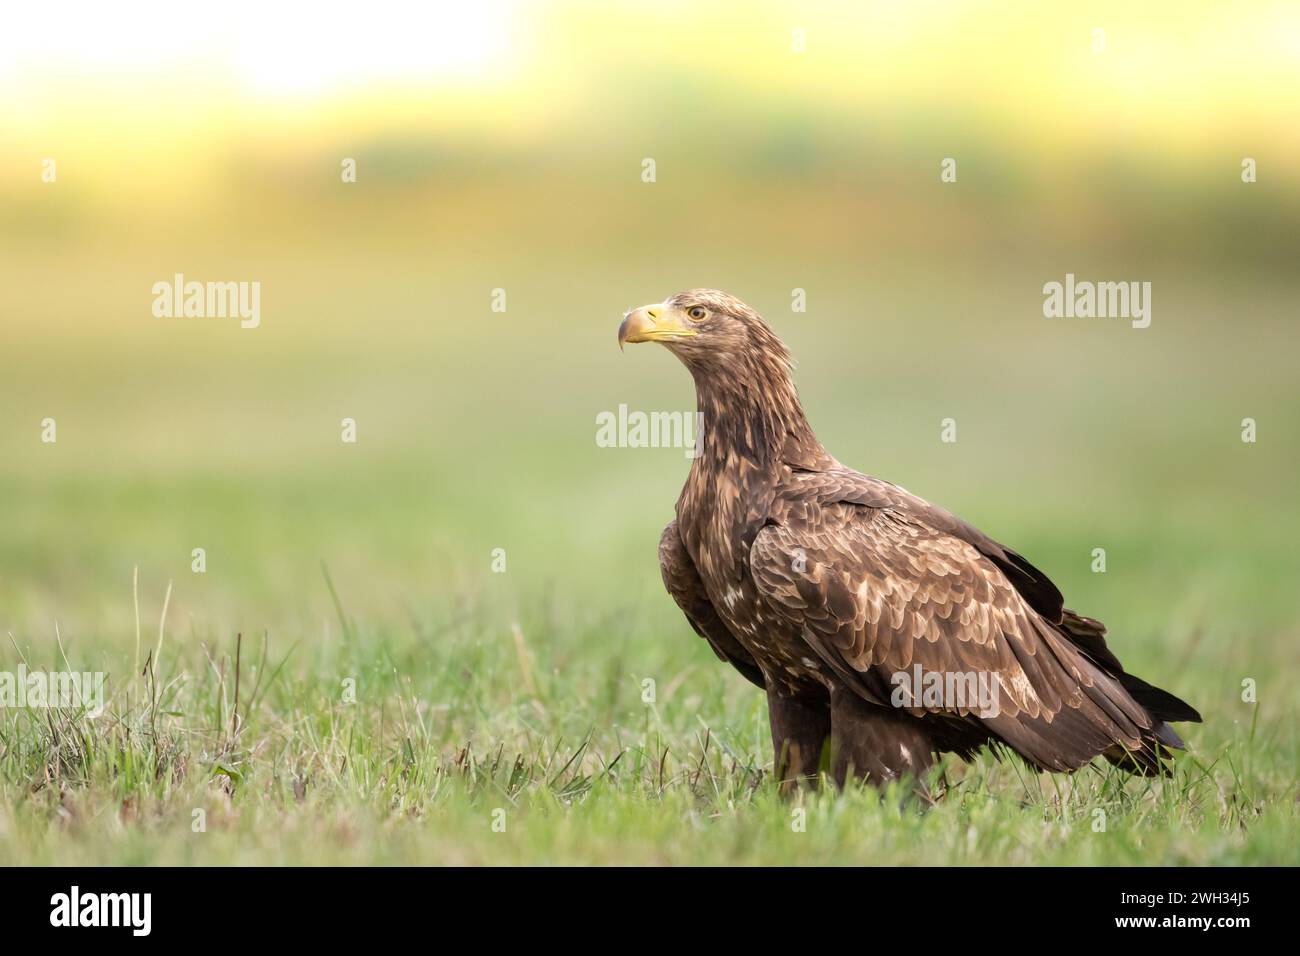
[884,630]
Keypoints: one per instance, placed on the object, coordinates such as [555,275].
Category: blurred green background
[502,147]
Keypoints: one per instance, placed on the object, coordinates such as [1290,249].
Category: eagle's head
[742,372]
[707,330]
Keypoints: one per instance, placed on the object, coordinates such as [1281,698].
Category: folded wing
[876,591]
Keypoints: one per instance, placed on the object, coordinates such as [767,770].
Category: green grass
[457,725]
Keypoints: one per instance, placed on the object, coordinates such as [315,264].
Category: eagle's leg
[801,728]
[876,743]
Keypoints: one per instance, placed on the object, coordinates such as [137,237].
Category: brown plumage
[822,586]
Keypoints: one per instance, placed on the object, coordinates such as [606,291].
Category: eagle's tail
[1160,704]
[1152,758]
[1158,743]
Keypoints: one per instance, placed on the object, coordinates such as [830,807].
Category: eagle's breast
[718,521]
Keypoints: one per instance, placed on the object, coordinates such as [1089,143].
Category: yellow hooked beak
[653,323]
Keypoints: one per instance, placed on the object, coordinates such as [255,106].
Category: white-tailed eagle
[875,621]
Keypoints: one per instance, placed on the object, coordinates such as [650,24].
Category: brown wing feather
[684,584]
[1036,588]
[880,590]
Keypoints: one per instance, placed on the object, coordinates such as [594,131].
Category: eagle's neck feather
[755,420]
[753,425]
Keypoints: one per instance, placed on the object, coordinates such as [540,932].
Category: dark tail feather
[1160,704]
[1154,758]
[1090,636]
[1166,736]
[1158,743]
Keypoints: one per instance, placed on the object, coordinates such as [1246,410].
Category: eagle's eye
[697,312]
